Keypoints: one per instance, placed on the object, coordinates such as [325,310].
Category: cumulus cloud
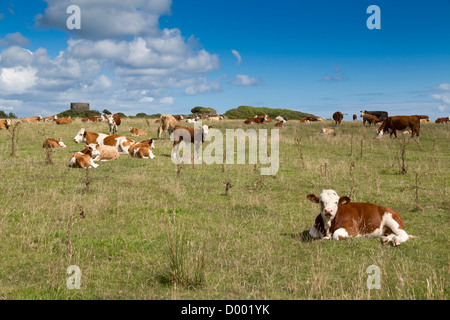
[243,80]
[14,39]
[237,55]
[442,95]
[107,19]
[337,76]
[119,53]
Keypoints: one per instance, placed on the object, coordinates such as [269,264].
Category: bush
[203,110]
[9,115]
[78,114]
[245,112]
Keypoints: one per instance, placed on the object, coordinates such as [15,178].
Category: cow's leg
[398,235]
[340,234]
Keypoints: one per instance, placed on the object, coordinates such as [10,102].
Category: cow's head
[8,123]
[81,136]
[380,132]
[329,202]
[91,151]
[205,130]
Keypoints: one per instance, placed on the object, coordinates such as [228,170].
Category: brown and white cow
[32,119]
[327,131]
[142,150]
[189,135]
[83,159]
[5,124]
[442,120]
[424,118]
[114,122]
[279,124]
[89,137]
[61,121]
[304,120]
[393,124]
[105,153]
[257,120]
[51,118]
[371,119]
[137,132]
[167,124]
[94,119]
[53,143]
[312,118]
[339,218]
[337,117]
[216,118]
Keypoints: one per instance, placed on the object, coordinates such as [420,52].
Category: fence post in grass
[14,138]
[351,194]
[403,169]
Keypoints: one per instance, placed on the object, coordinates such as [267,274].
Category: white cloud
[17,80]
[237,55]
[147,99]
[444,87]
[243,80]
[167,100]
[14,39]
[202,86]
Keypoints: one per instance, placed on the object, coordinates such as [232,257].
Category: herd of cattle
[336,218]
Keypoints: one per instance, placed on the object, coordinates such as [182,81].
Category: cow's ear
[313,198]
[344,200]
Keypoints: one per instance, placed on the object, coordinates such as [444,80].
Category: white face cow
[329,201]
[79,138]
[205,130]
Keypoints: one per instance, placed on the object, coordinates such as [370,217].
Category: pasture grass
[142,232]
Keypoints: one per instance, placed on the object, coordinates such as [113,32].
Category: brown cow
[121,143]
[399,123]
[32,119]
[64,120]
[442,120]
[312,118]
[257,119]
[137,132]
[339,219]
[142,150]
[5,124]
[355,117]
[50,119]
[327,131]
[106,153]
[193,135]
[337,117]
[94,119]
[167,124]
[53,143]
[279,124]
[114,122]
[83,159]
[371,119]
[424,117]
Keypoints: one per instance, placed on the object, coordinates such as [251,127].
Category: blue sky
[166,56]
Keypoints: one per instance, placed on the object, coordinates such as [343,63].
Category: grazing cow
[105,153]
[167,124]
[53,143]
[83,159]
[32,119]
[340,218]
[442,120]
[113,122]
[371,119]
[257,119]
[61,121]
[327,131]
[137,132]
[50,119]
[355,117]
[337,117]
[195,136]
[399,123]
[5,124]
[382,115]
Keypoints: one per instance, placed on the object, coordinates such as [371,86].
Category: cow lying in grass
[339,219]
[84,158]
[105,153]
[143,149]
[53,143]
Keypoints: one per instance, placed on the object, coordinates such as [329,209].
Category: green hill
[245,112]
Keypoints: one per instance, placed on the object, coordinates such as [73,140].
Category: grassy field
[139,229]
